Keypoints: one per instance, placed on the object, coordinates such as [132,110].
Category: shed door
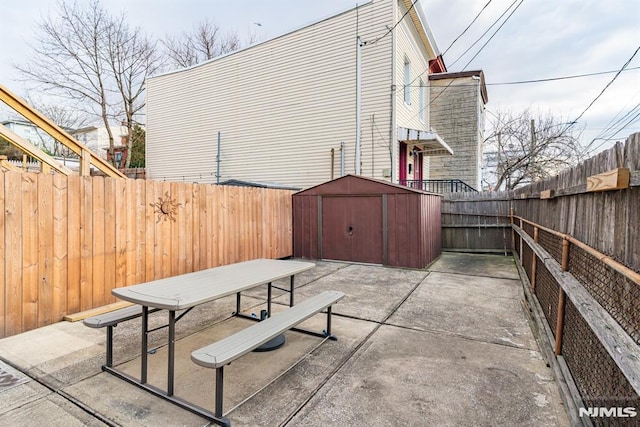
[352,228]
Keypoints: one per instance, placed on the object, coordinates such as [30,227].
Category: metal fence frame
[589,305]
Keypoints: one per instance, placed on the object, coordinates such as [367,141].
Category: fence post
[513,232]
[521,242]
[561,297]
[533,261]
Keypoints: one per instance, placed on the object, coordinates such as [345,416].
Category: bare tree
[205,42]
[132,57]
[67,118]
[529,146]
[94,62]
[68,59]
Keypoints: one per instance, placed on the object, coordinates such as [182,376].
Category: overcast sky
[543,39]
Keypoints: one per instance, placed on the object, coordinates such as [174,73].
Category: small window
[407,81]
[422,106]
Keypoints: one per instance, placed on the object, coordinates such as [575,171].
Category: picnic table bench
[184,292]
[223,352]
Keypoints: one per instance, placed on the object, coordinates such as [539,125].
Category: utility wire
[474,19]
[602,91]
[493,35]
[465,30]
[485,33]
[615,121]
[431,101]
[550,79]
[392,28]
[611,136]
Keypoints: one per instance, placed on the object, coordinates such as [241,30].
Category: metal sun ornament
[166,208]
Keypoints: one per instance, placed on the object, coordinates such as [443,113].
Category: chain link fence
[617,294]
[596,375]
[599,380]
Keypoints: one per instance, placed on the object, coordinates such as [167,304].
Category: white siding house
[285,108]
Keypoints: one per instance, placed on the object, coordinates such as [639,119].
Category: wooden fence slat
[182,225]
[149,235]
[86,244]
[13,241]
[45,310]
[140,266]
[120,273]
[130,230]
[196,225]
[174,230]
[60,245]
[30,248]
[213,257]
[166,241]
[110,213]
[75,200]
[97,241]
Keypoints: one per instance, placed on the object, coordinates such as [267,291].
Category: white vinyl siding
[410,47]
[281,127]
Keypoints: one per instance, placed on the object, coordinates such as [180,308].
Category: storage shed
[354,218]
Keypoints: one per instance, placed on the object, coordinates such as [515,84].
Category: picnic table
[184,292]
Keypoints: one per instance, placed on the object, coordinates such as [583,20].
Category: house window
[407,81]
[422,106]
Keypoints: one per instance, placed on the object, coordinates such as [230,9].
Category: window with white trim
[407,81]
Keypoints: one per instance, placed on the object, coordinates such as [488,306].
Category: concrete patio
[446,346]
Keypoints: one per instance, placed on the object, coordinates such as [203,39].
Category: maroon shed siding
[362,219]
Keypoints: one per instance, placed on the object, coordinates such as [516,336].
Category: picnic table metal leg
[269,300]
[219,391]
[109,346]
[291,291]
[238,303]
[143,350]
[329,321]
[171,351]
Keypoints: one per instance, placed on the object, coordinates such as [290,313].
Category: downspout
[218,161]
[342,158]
[393,140]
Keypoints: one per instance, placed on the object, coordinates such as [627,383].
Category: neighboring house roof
[460,74]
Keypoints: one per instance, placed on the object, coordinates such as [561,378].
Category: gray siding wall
[457,116]
[281,106]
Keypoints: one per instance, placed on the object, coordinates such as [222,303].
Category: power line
[615,121]
[493,35]
[474,43]
[485,33]
[611,136]
[477,53]
[604,89]
[465,30]
[392,28]
[550,79]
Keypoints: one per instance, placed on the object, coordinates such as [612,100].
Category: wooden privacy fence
[577,238]
[66,241]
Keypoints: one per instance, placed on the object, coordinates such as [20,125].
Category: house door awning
[428,142]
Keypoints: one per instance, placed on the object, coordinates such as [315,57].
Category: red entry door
[402,155]
[352,228]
